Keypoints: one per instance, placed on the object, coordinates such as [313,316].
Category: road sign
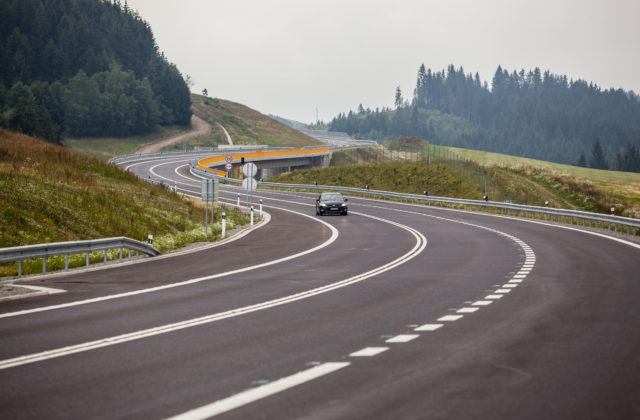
[249,169]
[228,158]
[210,189]
[249,184]
[228,166]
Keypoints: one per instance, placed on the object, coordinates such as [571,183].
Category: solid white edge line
[255,394]
[421,243]
[334,236]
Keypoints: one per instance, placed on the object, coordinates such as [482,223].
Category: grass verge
[49,194]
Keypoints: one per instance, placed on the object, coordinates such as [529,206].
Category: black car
[328,203]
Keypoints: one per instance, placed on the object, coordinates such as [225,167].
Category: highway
[396,311]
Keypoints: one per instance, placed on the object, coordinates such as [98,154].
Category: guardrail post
[224,223]
[44,264]
[19,268]
[66,262]
[121,253]
[105,255]
[87,259]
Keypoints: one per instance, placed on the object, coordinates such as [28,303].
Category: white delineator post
[251,215]
[261,207]
[224,223]
[238,200]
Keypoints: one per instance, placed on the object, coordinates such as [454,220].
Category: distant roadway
[395,311]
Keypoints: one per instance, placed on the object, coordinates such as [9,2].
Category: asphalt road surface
[395,311]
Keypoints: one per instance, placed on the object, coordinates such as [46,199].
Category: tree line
[531,114]
[84,68]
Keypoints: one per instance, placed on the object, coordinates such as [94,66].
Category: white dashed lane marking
[402,338]
[450,318]
[255,394]
[467,310]
[482,303]
[428,327]
[369,351]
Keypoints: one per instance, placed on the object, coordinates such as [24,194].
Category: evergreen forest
[530,114]
[84,68]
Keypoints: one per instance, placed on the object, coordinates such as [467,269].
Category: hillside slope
[247,126]
[84,68]
[520,180]
[49,194]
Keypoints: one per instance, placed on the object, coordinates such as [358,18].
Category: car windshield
[331,197]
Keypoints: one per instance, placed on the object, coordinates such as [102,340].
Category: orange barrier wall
[236,157]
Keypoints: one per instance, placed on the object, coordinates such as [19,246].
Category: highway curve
[395,311]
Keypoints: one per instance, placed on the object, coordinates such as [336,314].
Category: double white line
[421,243]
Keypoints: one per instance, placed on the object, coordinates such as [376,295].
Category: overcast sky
[289,57]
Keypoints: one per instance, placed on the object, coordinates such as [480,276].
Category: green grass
[405,177]
[488,158]
[49,194]
[247,126]
[509,179]
[104,148]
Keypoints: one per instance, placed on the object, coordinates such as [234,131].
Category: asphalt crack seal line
[421,243]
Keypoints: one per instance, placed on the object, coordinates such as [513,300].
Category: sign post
[249,170]
[210,190]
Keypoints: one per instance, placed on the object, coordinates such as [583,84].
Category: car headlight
[343,205]
[323,205]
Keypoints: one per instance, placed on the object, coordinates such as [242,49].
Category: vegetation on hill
[84,68]
[49,194]
[407,177]
[542,116]
[508,178]
[247,126]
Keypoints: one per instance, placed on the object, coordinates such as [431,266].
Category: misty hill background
[84,68]
[530,114]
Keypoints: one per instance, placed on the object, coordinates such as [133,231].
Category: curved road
[396,311]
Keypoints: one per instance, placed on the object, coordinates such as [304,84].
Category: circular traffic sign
[250,169]
[228,166]
[249,184]
[228,158]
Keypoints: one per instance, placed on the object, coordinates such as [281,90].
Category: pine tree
[597,160]
[398,99]
[582,160]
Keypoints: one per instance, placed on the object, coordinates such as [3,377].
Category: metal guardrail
[615,223]
[27,252]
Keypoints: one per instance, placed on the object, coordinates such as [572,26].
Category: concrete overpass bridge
[270,163]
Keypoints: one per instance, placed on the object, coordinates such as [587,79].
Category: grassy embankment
[245,125]
[104,148]
[49,194]
[571,186]
[406,177]
[520,180]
